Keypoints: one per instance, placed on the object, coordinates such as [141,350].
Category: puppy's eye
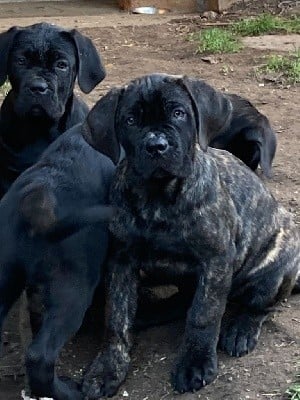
[130,121]
[62,65]
[179,114]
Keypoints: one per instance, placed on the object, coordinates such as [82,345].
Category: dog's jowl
[41,63]
[187,211]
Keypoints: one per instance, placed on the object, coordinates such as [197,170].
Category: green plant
[266,23]
[294,391]
[216,40]
[286,67]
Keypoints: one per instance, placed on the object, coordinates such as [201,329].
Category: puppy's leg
[30,320]
[269,281]
[35,308]
[197,363]
[31,315]
[110,367]
[66,300]
[12,282]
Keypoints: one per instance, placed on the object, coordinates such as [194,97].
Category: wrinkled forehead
[155,91]
[42,39]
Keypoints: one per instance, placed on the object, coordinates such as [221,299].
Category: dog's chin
[41,111]
[37,111]
[161,173]
[177,166]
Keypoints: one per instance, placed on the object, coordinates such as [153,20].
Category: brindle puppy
[188,213]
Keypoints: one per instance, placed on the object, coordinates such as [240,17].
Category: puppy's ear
[6,41]
[212,109]
[99,129]
[91,70]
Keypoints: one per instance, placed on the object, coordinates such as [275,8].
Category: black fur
[187,214]
[55,247]
[248,135]
[41,62]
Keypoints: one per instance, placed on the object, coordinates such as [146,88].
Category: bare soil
[132,46]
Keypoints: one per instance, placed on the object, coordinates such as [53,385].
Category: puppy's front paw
[105,375]
[95,387]
[239,335]
[193,373]
[74,389]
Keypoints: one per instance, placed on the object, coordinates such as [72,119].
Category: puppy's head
[158,119]
[42,62]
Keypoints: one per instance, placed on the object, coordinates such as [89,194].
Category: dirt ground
[134,45]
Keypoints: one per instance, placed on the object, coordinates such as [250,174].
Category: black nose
[157,145]
[38,86]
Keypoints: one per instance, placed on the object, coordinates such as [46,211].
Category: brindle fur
[190,213]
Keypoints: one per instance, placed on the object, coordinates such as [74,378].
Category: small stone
[209,60]
[210,14]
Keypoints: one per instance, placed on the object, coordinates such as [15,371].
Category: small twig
[164,396]
[216,23]
[288,3]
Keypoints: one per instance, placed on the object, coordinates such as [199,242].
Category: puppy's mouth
[38,107]
[37,111]
[163,170]
[160,155]
[160,173]
[155,166]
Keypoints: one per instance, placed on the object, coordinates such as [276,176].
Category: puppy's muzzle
[38,86]
[156,144]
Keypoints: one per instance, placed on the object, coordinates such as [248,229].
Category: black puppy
[55,246]
[248,135]
[41,62]
[187,213]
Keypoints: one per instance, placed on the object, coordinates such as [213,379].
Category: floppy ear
[6,41]
[91,70]
[212,109]
[99,129]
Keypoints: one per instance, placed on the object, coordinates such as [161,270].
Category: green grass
[216,41]
[4,89]
[294,392]
[286,68]
[266,23]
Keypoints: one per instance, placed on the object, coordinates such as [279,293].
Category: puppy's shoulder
[70,162]
[236,175]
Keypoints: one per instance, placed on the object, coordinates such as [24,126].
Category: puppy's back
[72,168]
[259,212]
[70,178]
